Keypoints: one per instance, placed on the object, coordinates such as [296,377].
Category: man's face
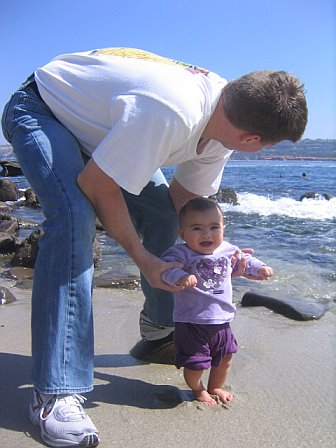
[232,137]
[250,146]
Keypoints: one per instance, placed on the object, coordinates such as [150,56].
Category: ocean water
[297,238]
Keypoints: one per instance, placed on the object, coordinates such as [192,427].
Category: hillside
[305,149]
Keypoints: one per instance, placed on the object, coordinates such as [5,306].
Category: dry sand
[283,378]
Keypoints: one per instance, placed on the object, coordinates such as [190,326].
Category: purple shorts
[198,347]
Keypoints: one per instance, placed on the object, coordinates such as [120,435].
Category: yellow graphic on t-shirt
[135,53]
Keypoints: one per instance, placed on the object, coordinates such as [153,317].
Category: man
[130,112]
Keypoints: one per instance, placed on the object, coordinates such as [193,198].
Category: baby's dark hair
[198,205]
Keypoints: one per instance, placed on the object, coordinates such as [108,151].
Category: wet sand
[283,378]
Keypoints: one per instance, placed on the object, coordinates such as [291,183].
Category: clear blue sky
[230,37]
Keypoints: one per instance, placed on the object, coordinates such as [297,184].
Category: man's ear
[250,138]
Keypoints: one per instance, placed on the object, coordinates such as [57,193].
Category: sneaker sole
[88,441]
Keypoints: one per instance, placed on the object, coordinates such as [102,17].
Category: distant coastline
[285,158]
[304,150]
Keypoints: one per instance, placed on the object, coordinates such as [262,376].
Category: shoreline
[282,378]
[290,158]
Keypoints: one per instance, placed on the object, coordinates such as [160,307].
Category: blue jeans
[62,323]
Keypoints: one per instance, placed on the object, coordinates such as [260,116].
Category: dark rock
[8,243]
[116,279]
[26,253]
[97,253]
[6,296]
[293,308]
[309,195]
[26,224]
[8,224]
[315,195]
[26,283]
[10,168]
[22,223]
[226,195]
[31,199]
[8,190]
[327,196]
[20,273]
[23,276]
[4,208]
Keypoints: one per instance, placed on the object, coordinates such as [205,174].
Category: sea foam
[314,209]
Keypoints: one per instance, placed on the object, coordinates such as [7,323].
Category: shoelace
[72,407]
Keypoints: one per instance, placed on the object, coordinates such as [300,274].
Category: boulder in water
[8,190]
[296,309]
[315,195]
[10,168]
[8,243]
[31,199]
[226,195]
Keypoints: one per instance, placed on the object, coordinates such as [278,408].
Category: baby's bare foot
[204,397]
[223,395]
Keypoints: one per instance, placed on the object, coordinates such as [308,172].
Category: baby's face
[203,231]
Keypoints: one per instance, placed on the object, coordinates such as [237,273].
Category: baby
[204,309]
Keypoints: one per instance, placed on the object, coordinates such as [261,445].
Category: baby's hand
[265,272]
[187,281]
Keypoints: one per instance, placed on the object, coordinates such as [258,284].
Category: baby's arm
[178,276]
[255,269]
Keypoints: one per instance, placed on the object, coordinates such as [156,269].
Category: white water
[315,209]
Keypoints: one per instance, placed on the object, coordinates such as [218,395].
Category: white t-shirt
[135,112]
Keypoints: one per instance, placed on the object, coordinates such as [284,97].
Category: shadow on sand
[15,390]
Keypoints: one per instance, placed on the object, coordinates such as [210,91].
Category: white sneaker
[62,420]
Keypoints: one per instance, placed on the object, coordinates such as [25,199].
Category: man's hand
[105,195]
[153,267]
[240,272]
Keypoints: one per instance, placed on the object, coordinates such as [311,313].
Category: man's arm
[179,195]
[107,199]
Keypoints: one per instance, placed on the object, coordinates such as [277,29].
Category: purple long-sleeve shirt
[210,302]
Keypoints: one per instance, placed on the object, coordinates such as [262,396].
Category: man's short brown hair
[271,104]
